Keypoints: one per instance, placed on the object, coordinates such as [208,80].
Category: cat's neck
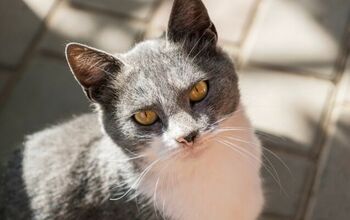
[220,184]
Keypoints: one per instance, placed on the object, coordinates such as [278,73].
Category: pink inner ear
[86,64]
[91,77]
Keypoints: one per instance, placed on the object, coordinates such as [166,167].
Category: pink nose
[187,140]
[184,141]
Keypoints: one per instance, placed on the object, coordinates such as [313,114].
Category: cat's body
[67,177]
[69,171]
[169,138]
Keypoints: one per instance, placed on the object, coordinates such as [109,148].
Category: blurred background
[292,59]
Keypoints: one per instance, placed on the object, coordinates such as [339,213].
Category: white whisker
[267,150]
[277,179]
[155,198]
[142,175]
[266,158]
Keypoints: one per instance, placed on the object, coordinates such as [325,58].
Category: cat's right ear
[189,20]
[92,68]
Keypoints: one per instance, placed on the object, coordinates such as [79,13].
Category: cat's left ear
[189,20]
[92,68]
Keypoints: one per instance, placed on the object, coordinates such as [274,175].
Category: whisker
[267,150]
[195,45]
[155,193]
[237,151]
[278,181]
[243,150]
[223,130]
[221,119]
[270,137]
[265,157]
[202,49]
[129,159]
[233,128]
[105,71]
[155,197]
[143,174]
[133,153]
[280,160]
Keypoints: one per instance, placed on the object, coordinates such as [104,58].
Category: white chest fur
[223,182]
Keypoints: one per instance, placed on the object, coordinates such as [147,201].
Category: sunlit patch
[39,7]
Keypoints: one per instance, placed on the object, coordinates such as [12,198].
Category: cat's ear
[92,68]
[189,20]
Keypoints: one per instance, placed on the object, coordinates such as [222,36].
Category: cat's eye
[146,117]
[199,91]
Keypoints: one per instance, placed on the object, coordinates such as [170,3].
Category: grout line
[111,13]
[304,195]
[290,70]
[28,54]
[287,70]
[323,132]
[247,44]
[344,85]
[247,27]
[155,7]
[326,120]
[309,196]
[108,13]
[148,27]
[329,126]
[139,23]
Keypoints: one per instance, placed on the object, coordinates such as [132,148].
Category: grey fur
[70,171]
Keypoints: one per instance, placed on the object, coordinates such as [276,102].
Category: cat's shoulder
[76,131]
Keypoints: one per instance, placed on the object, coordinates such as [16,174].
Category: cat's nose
[189,139]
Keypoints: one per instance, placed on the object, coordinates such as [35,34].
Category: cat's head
[167,93]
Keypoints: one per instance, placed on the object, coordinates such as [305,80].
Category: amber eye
[199,91]
[146,117]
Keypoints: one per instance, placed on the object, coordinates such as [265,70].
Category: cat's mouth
[194,151]
[201,145]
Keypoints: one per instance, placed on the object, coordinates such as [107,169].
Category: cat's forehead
[156,74]
[156,62]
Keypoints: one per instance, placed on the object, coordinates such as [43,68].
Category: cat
[169,137]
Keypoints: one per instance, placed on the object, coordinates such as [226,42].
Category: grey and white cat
[169,139]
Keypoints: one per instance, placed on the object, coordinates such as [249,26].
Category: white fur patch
[221,181]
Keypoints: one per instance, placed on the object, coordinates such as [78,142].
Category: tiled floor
[295,82]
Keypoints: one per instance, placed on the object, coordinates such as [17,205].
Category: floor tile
[287,106]
[268,217]
[4,77]
[46,94]
[137,8]
[332,200]
[230,18]
[20,21]
[301,35]
[102,31]
[284,190]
